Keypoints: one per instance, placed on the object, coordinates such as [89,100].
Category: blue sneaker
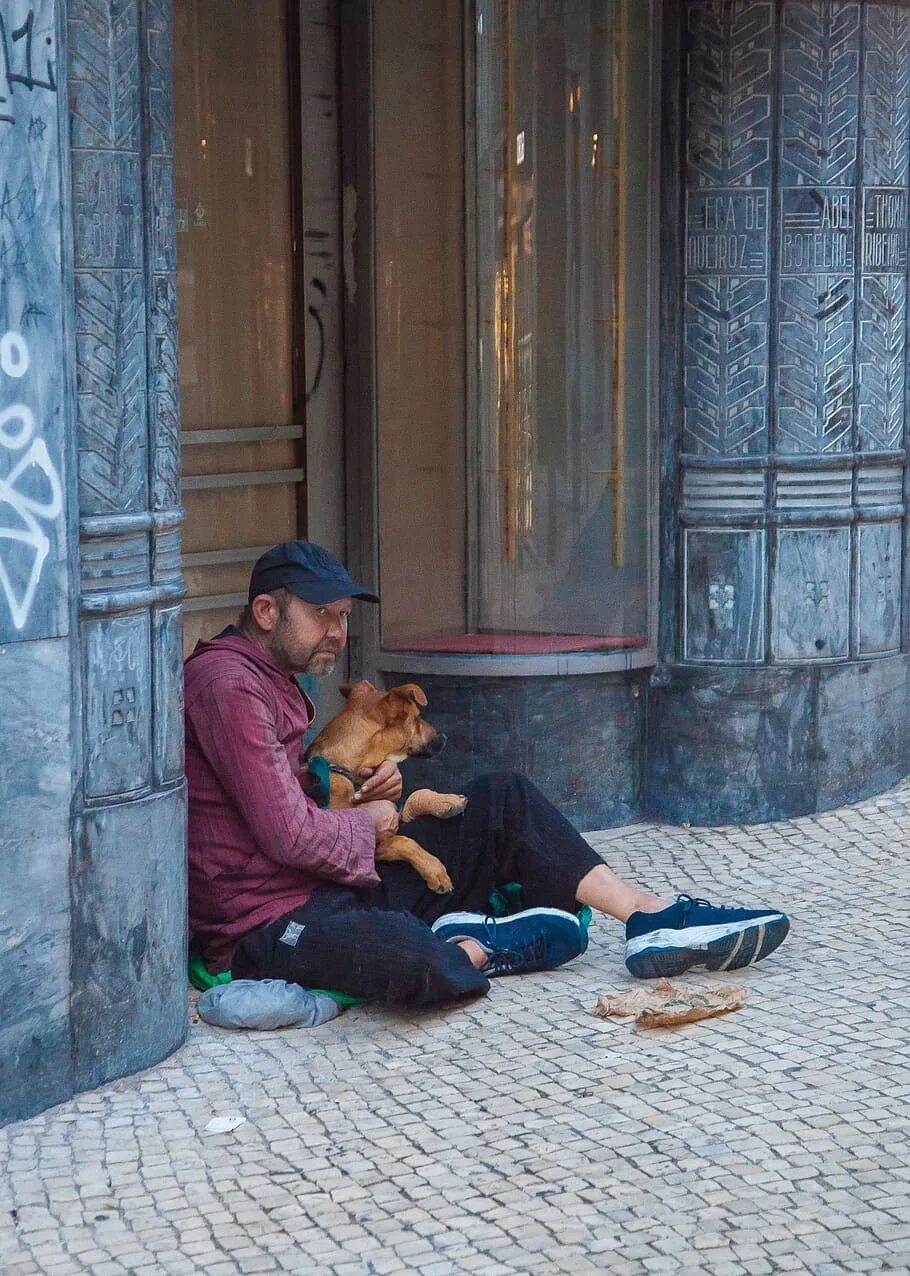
[536,939]
[693,932]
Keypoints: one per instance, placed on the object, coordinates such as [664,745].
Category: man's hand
[384,816]
[379,784]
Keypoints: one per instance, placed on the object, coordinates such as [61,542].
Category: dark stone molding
[704,746]
[828,460]
[739,746]
[581,739]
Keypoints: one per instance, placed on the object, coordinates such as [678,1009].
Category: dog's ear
[411,691]
[347,688]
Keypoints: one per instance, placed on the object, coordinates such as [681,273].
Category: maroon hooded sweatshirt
[258,846]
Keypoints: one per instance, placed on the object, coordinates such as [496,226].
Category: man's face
[309,637]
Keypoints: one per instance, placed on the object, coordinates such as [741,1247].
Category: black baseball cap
[307,570]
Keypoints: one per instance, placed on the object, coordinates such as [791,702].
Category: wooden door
[236,154]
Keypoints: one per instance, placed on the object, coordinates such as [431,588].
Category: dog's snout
[432,745]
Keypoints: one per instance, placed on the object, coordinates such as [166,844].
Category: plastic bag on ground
[265,1003]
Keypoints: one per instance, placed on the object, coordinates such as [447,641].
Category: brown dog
[375,726]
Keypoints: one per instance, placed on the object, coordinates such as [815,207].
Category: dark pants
[377,942]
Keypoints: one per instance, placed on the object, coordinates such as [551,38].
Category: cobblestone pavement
[522,1134]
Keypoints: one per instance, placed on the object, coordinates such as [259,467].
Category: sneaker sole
[470,919]
[454,927]
[667,953]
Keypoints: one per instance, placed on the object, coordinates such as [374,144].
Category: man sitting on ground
[279,888]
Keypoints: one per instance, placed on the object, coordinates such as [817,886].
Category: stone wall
[92,872]
[785,396]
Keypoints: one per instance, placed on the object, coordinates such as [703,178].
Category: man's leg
[336,943]
[603,890]
[511,832]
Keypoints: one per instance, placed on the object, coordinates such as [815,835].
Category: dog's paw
[426,801]
[439,881]
[451,804]
[442,806]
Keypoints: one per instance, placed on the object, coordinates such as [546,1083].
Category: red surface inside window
[505,643]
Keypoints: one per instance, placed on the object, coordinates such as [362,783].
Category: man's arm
[234,727]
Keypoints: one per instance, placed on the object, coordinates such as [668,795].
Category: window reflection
[513,285]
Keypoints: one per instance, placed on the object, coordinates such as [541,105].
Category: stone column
[129,876]
[92,850]
[784,688]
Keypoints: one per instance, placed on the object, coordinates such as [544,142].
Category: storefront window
[512,239]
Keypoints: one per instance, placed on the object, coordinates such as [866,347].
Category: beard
[320,663]
[296,659]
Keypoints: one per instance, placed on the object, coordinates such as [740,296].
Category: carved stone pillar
[92,845]
[129,877]
[785,684]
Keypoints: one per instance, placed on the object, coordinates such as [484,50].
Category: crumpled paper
[666,1005]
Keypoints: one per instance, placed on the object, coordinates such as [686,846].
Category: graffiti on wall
[30,493]
[21,63]
[33,377]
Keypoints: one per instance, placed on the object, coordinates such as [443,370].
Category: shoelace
[502,960]
[690,902]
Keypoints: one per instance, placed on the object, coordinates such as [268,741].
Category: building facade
[579,326]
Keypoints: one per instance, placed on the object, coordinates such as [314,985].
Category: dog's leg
[432,870]
[443,806]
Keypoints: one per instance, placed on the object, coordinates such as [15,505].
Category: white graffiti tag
[20,513]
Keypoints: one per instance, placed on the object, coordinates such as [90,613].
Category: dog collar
[345,771]
[321,769]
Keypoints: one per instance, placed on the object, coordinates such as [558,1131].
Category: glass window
[512,249]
